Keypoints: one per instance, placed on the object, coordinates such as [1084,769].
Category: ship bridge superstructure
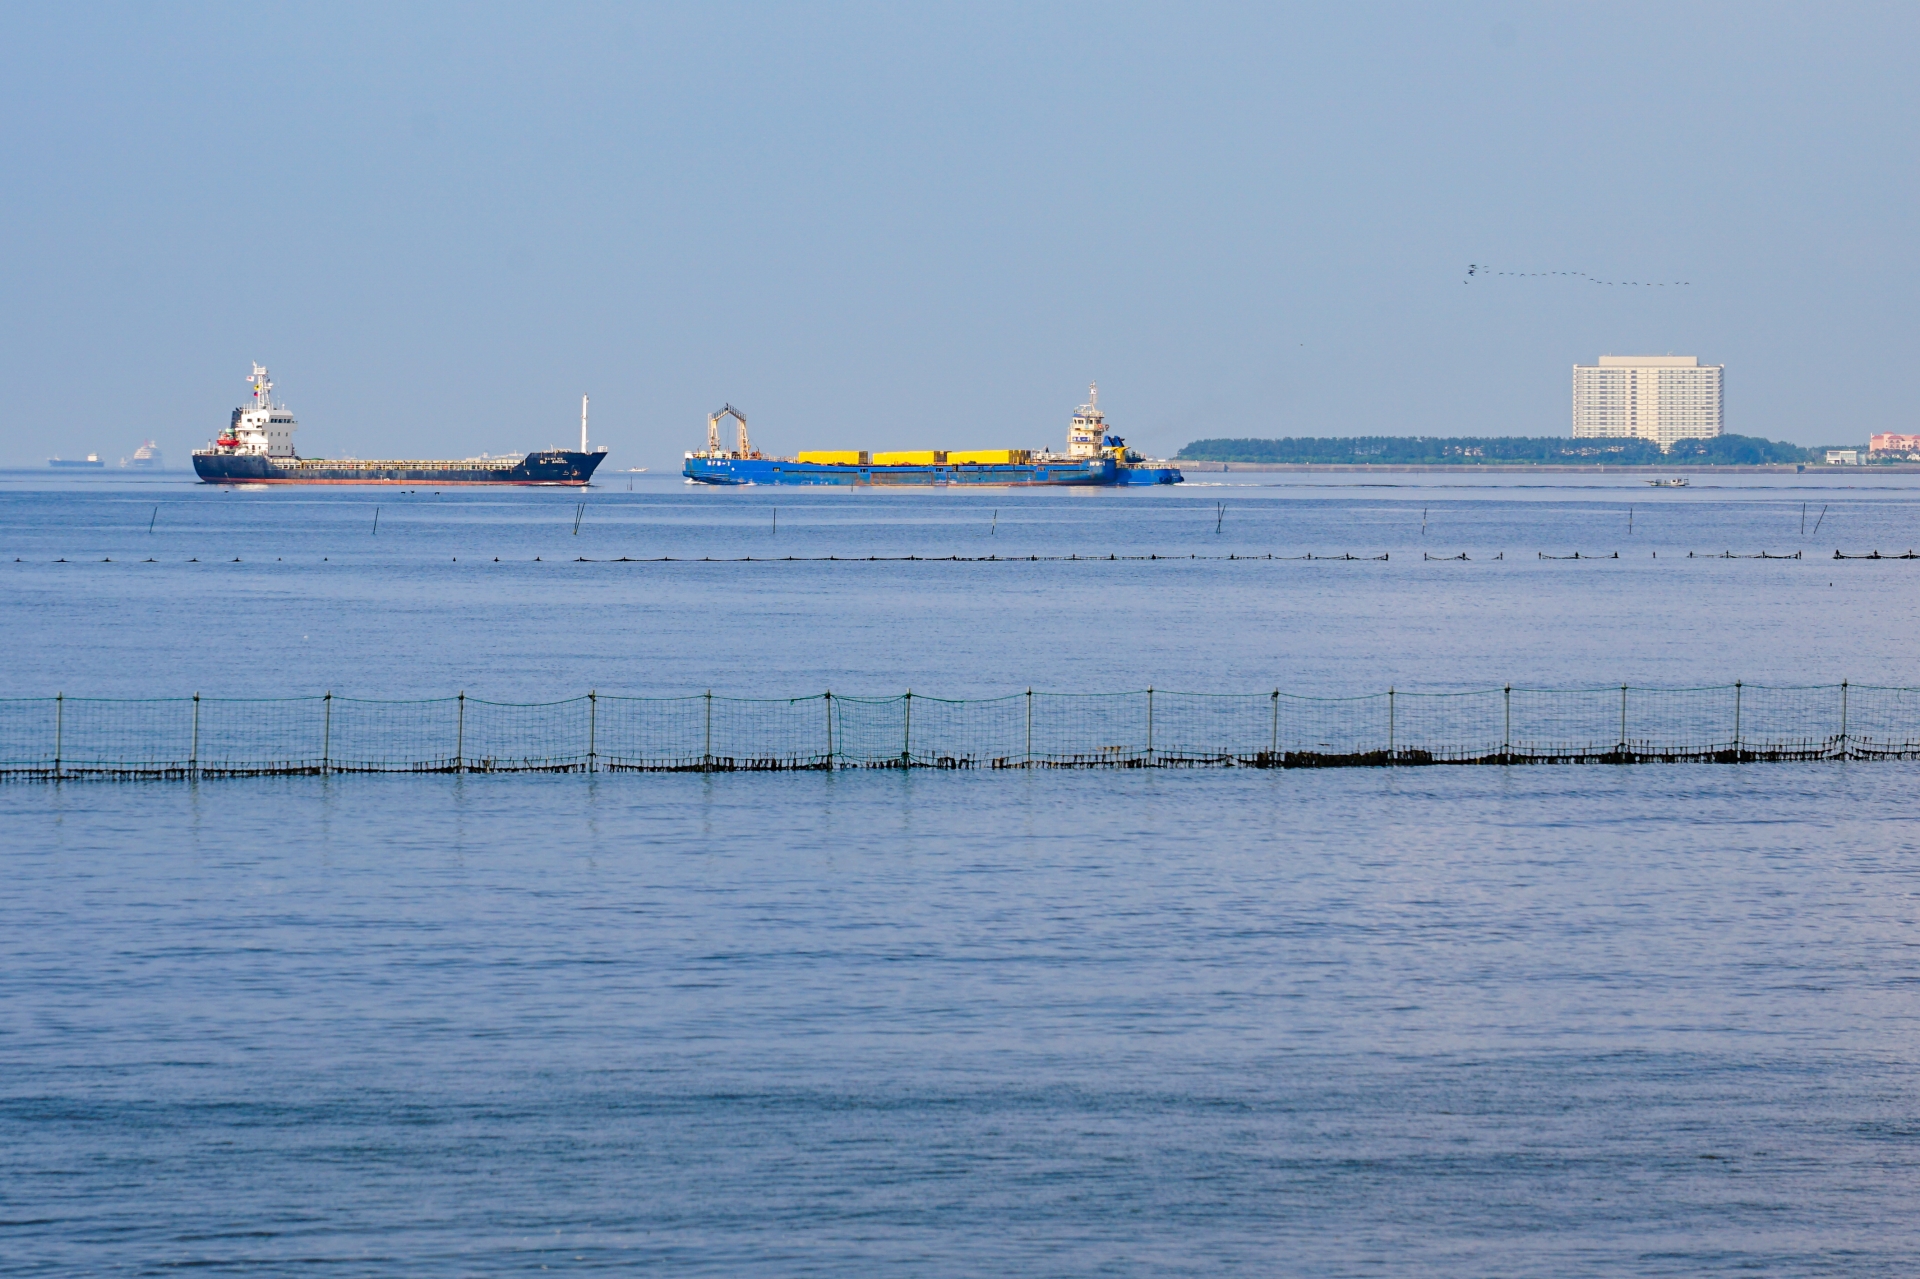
[1086,434]
[261,428]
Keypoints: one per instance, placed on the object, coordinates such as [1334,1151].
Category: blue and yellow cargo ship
[1093,457]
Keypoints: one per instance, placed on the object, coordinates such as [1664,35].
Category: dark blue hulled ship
[1092,458]
[257,448]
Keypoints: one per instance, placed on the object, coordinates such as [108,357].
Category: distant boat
[93,460]
[1677,482]
[146,458]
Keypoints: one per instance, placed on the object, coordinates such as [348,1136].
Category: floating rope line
[1153,557]
[1476,270]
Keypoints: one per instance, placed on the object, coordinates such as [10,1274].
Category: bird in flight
[1481,269]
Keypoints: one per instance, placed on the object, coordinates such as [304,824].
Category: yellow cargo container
[912,457]
[834,457]
[989,457]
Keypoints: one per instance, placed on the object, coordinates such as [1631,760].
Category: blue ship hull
[724,470]
[1133,473]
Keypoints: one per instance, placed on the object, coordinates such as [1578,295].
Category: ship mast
[583,423]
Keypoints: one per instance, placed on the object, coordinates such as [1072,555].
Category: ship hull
[554,467]
[721,470]
[1136,473]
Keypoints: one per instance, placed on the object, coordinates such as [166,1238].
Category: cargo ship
[1093,457]
[92,460]
[257,448]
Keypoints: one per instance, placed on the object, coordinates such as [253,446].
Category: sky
[896,226]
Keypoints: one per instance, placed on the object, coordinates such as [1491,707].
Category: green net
[524,737]
[199,736]
[240,736]
[1881,723]
[368,736]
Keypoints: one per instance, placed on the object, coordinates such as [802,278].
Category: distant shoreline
[1554,468]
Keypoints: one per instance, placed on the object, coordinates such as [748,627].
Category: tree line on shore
[1467,450]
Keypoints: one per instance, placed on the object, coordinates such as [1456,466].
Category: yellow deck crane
[746,449]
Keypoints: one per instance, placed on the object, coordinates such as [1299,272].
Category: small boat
[1677,482]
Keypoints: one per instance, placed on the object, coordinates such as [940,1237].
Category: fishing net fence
[75,737]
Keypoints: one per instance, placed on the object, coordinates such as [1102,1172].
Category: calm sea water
[1566,1021]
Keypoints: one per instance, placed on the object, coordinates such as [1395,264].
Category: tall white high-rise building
[1662,398]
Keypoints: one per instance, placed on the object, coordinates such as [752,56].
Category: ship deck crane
[713,431]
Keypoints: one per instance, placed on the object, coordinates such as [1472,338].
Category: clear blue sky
[874,226]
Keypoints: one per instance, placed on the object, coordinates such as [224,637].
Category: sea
[1490,1021]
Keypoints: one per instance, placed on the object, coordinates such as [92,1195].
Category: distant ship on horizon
[145,458]
[91,462]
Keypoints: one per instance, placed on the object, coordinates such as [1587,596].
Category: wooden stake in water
[156,515]
[376,521]
[1803,519]
[996,525]
[1219,515]
[579,509]
[1629,521]
[1423,521]
[1816,523]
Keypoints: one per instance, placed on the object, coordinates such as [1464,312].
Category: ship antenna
[583,423]
[1093,396]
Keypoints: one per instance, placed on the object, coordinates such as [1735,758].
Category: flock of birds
[1481,269]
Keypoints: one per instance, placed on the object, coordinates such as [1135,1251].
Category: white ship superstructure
[1086,434]
[260,429]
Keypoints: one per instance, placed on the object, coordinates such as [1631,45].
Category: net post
[593,729]
[193,751]
[1506,733]
[326,733]
[1843,720]
[1390,723]
[1623,721]
[706,747]
[60,728]
[1273,750]
[906,745]
[1736,721]
[829,730]
[1149,726]
[1029,762]
[460,734]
